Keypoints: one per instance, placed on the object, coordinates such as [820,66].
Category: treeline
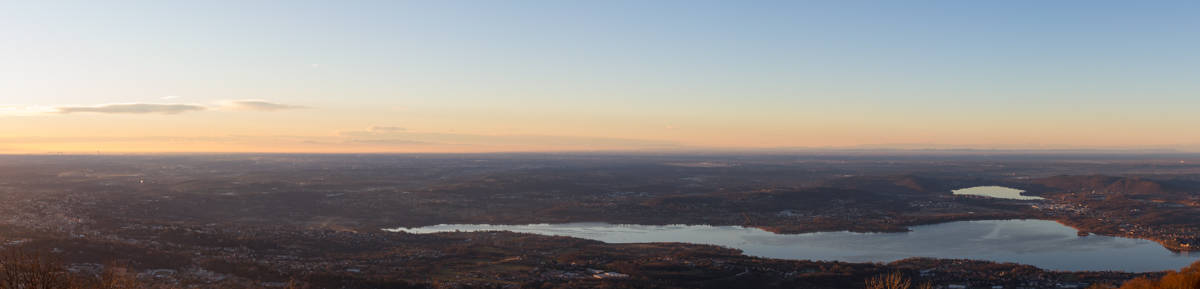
[1187,278]
[19,270]
[22,270]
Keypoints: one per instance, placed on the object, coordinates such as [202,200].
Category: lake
[1045,244]
[996,192]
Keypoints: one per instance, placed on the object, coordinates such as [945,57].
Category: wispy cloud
[148,108]
[133,108]
[385,129]
[257,105]
[18,110]
[390,135]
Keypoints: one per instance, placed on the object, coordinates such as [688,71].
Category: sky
[510,76]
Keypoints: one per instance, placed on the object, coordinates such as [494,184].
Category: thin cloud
[13,110]
[387,135]
[257,105]
[384,129]
[133,108]
[374,131]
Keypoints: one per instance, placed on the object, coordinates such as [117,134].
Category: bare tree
[895,280]
[117,278]
[19,270]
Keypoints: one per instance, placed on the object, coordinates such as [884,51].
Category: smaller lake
[1045,244]
[996,192]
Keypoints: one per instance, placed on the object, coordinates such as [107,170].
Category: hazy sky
[470,76]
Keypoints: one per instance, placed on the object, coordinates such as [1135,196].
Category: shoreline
[832,258]
[785,229]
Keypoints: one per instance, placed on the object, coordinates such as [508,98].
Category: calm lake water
[1045,244]
[996,192]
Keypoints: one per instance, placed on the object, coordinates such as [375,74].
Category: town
[273,220]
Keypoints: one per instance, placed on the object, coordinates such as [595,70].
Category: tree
[19,270]
[895,280]
[1188,278]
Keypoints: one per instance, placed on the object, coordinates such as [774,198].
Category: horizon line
[747,151]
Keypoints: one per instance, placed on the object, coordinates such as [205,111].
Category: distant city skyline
[527,76]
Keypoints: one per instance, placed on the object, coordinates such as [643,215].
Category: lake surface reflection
[1046,244]
[996,192]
